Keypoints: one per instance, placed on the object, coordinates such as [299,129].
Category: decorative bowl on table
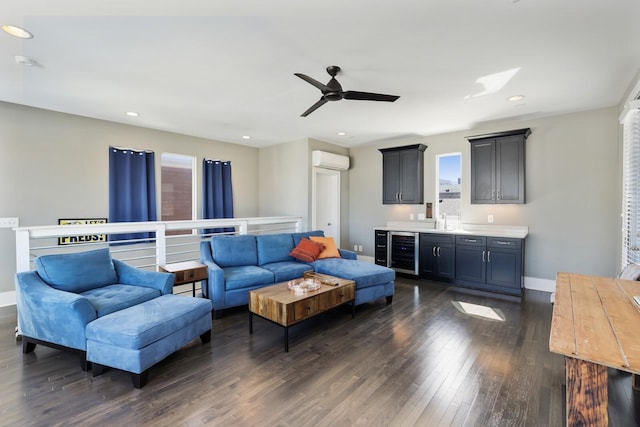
[301,286]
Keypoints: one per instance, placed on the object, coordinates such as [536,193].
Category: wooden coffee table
[283,306]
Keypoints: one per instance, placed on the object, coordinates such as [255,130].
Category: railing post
[161,244]
[22,251]
[243,228]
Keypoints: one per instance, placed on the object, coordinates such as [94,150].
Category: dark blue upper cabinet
[403,174]
[498,167]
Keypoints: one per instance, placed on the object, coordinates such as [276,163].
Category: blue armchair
[67,291]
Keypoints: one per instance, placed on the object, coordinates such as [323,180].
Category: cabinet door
[411,177]
[504,267]
[446,261]
[428,265]
[471,263]
[483,177]
[510,169]
[391,177]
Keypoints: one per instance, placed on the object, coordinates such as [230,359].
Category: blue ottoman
[138,337]
[372,281]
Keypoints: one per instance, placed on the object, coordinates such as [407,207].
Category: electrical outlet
[412,217]
[355,248]
[9,222]
[490,219]
[359,248]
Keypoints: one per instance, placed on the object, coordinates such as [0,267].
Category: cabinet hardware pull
[381,246]
[489,256]
[483,256]
[498,194]
[438,250]
[433,251]
[471,240]
[498,242]
[400,196]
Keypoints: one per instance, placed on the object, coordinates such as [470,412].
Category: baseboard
[7,298]
[366,259]
[536,284]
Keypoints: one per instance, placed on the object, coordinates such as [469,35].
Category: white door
[326,202]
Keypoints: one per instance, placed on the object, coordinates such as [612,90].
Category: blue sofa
[238,264]
[113,314]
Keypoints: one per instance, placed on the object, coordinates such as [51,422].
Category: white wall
[572,189]
[55,165]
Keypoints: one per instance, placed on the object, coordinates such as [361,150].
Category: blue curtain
[217,193]
[132,189]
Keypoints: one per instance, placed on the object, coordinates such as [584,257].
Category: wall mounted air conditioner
[323,159]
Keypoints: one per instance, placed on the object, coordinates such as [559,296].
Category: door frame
[314,194]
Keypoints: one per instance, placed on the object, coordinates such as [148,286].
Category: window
[449,183]
[177,178]
[631,188]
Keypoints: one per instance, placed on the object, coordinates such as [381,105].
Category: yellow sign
[75,240]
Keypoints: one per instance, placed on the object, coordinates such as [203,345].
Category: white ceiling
[223,69]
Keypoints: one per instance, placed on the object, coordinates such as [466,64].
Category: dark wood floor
[418,362]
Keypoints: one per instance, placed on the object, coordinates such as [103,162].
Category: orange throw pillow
[330,248]
[307,251]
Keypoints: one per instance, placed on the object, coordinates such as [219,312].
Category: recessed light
[342,133]
[515,98]
[246,137]
[132,114]
[17,31]
[24,60]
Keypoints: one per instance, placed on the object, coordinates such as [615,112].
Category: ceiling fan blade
[314,107]
[323,87]
[368,96]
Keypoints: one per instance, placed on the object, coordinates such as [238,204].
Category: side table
[187,272]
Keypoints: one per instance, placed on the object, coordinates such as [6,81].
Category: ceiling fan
[332,91]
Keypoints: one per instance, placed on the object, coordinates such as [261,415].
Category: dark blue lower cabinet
[489,263]
[437,256]
[471,263]
[504,267]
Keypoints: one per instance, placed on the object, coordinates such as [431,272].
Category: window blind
[631,189]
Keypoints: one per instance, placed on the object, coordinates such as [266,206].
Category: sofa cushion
[77,272]
[234,251]
[247,276]
[330,249]
[108,299]
[363,273]
[307,250]
[307,234]
[274,248]
[144,324]
[287,270]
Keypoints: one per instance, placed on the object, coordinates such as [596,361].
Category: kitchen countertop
[507,231]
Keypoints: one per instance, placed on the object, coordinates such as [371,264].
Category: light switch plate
[490,219]
[9,222]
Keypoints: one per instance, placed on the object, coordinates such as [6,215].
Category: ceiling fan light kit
[332,91]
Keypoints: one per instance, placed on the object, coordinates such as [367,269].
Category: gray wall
[573,190]
[55,165]
[286,181]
